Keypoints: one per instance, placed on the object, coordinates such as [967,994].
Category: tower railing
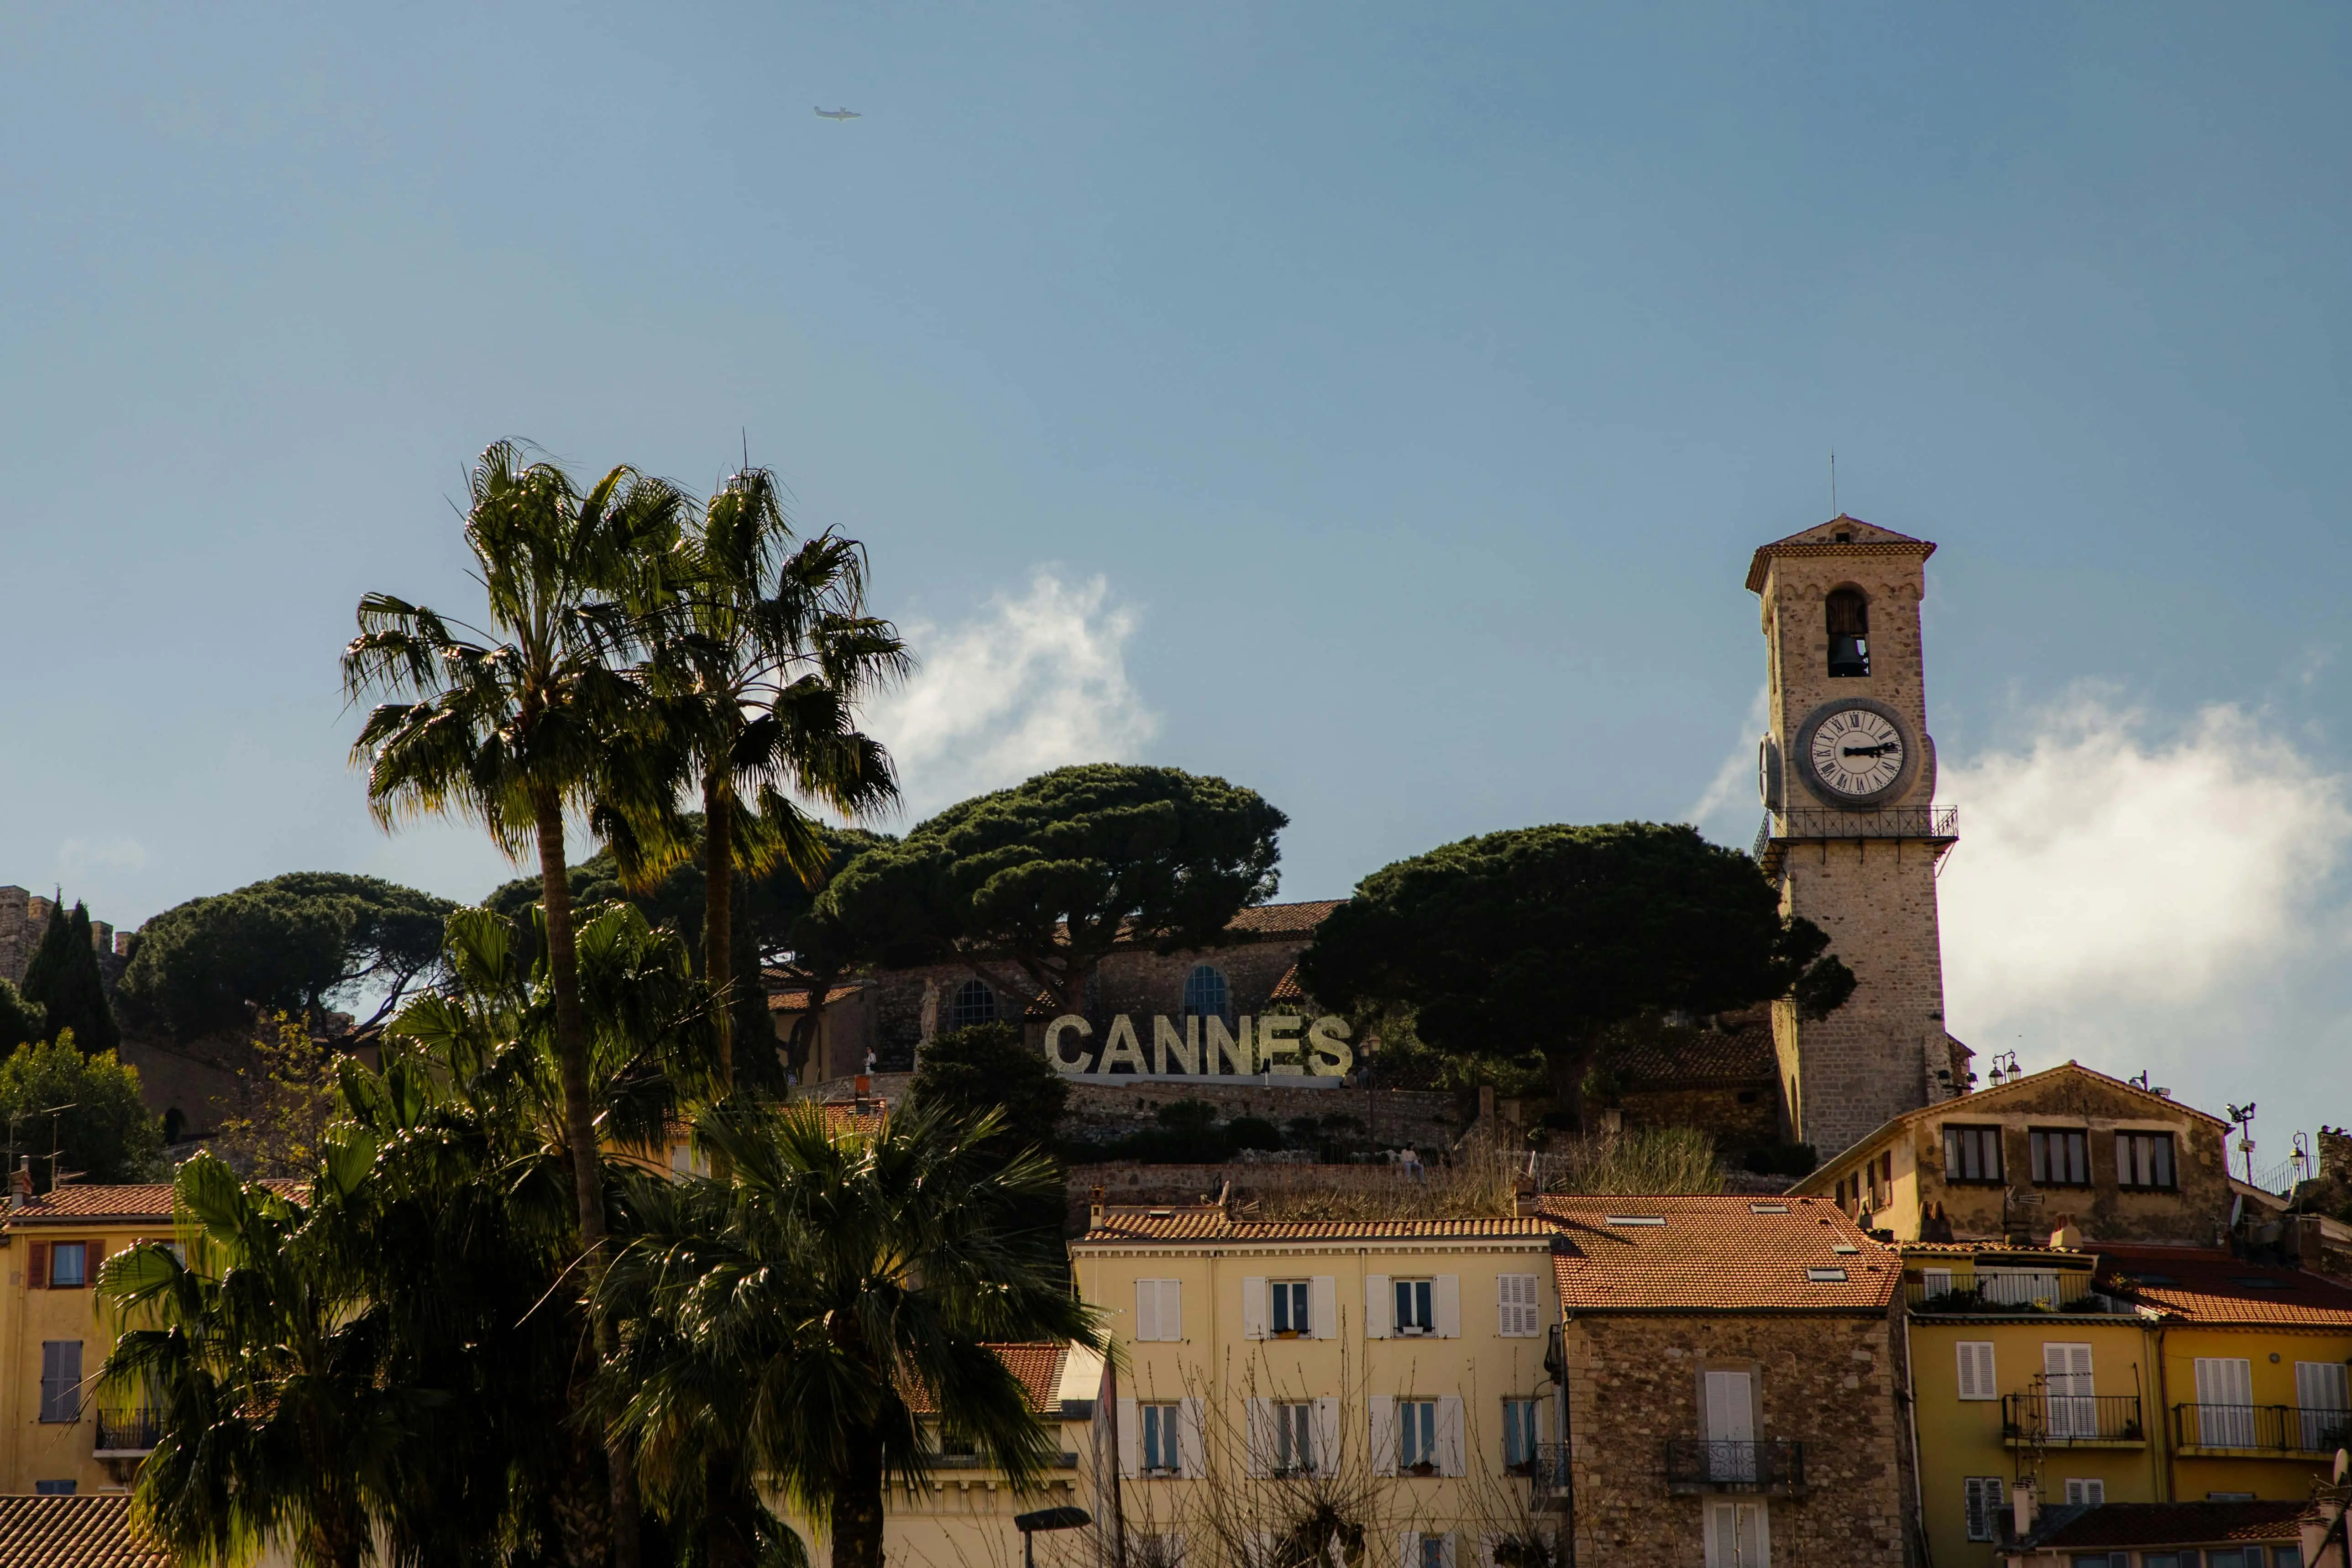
[1939,826]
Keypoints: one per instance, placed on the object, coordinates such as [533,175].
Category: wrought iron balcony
[124,1433]
[1771,1464]
[2262,1428]
[1547,1476]
[2070,1420]
[1938,826]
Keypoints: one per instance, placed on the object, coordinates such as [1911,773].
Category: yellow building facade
[1376,1384]
[2128,1375]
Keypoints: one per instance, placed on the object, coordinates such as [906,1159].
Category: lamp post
[1029,1524]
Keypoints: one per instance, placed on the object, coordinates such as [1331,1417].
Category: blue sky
[1375,405]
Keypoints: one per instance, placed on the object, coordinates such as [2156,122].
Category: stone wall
[24,915]
[1737,1118]
[1391,1118]
[1826,1382]
[1176,1186]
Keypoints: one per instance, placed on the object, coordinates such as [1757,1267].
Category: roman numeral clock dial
[1855,754]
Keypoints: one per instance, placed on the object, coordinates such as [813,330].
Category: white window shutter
[1254,1307]
[1147,1308]
[1730,1413]
[1172,1309]
[1380,1308]
[1451,1448]
[1449,1539]
[1447,1306]
[1260,1423]
[1977,1369]
[1324,1304]
[1194,1439]
[1383,1430]
[1516,1313]
[1326,1436]
[1130,1438]
[1409,1549]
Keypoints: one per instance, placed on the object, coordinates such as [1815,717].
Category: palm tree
[788,1316]
[759,664]
[261,1361]
[508,726]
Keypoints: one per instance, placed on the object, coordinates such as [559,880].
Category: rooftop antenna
[1834,505]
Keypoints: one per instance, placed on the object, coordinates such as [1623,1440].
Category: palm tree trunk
[718,915]
[729,1539]
[857,1505]
[579,1130]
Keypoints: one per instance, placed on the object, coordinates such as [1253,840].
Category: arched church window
[1849,617]
[974,1003]
[1206,994]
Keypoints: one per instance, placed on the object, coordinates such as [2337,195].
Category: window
[1415,1312]
[1519,1315]
[1206,994]
[1159,1310]
[1976,1370]
[2319,1398]
[2072,1409]
[2062,1157]
[1934,1282]
[1294,1439]
[2093,1492]
[1849,628]
[1159,1551]
[1983,1503]
[956,1443]
[2286,1556]
[2144,1159]
[1522,1431]
[1417,1437]
[1730,1415]
[1737,1536]
[974,1003]
[1972,1154]
[1431,1553]
[1287,1300]
[2104,1560]
[52,1488]
[2225,1402]
[1163,1449]
[61,1380]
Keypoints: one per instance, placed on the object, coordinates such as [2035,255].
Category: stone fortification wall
[1826,1382]
[1391,1118]
[25,915]
[1127,1182]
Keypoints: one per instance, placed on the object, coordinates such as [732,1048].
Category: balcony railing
[1547,1476]
[2262,1428]
[1774,1465]
[2008,1294]
[1940,824]
[122,1432]
[2057,1420]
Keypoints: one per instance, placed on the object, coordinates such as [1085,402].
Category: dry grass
[1483,1181]
[1644,1162]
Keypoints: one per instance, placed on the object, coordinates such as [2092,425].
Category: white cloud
[1033,682]
[1731,795]
[84,857]
[2098,868]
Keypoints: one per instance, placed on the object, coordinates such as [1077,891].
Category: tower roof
[1841,535]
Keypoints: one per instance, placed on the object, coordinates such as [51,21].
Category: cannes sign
[1280,1044]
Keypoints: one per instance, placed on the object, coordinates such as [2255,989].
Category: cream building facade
[1376,1388]
[1852,834]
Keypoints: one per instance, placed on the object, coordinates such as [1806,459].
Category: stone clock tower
[1851,835]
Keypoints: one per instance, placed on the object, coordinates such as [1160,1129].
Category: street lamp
[1029,1524]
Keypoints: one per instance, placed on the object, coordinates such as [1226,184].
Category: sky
[1376,406]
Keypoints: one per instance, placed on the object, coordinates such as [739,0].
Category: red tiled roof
[1287,988]
[2175,1524]
[1715,1254]
[1206,1221]
[72,1204]
[1284,919]
[1038,1366]
[796,999]
[92,1531]
[2209,1285]
[1867,539]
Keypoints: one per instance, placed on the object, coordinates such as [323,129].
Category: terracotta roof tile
[1865,539]
[1209,1223]
[74,1204]
[1284,919]
[1688,1056]
[1287,988]
[1038,1366]
[2174,1525]
[91,1531]
[2208,1285]
[794,999]
[1716,1253]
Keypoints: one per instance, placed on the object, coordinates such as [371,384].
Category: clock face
[1856,752]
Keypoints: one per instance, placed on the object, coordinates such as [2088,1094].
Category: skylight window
[2255,1282]
[1826,1275]
[1635,1218]
[1845,1246]
[1768,1208]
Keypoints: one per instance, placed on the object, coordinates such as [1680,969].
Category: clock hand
[1878,750]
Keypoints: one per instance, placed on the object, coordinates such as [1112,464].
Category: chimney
[1095,1211]
[2027,1507]
[20,1183]
[2068,1234]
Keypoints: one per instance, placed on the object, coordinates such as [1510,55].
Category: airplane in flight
[838,114]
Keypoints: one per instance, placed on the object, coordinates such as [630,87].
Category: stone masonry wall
[1827,1381]
[24,915]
